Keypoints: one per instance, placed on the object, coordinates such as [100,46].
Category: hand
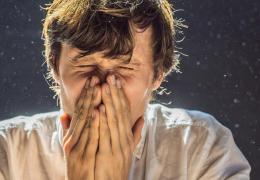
[116,144]
[80,141]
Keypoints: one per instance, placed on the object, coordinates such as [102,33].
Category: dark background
[220,75]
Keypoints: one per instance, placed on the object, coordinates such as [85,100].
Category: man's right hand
[80,141]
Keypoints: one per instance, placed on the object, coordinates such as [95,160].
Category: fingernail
[93,114]
[118,83]
[113,80]
[107,89]
[102,108]
[97,80]
[93,81]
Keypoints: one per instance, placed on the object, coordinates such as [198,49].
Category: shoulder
[25,125]
[189,129]
[202,139]
[176,117]
[25,137]
[34,121]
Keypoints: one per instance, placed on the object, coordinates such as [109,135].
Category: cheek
[70,91]
[137,92]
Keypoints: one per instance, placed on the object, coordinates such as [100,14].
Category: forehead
[142,51]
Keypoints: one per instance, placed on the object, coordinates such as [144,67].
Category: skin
[114,130]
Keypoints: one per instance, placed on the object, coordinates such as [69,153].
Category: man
[106,59]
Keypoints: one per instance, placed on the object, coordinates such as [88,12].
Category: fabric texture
[175,144]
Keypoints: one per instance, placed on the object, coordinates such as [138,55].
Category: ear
[157,82]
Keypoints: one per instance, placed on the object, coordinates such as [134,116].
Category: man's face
[136,77]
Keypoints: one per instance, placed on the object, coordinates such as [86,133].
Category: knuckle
[104,132]
[89,93]
[119,157]
[114,116]
[95,137]
[90,156]
[67,148]
[74,155]
[113,125]
[85,105]
[89,116]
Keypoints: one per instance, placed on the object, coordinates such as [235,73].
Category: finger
[81,144]
[84,113]
[104,132]
[126,115]
[91,146]
[79,104]
[111,118]
[115,86]
[83,138]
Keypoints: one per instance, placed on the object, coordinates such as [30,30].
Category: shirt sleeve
[224,160]
[4,167]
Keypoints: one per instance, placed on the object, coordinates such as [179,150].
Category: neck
[137,129]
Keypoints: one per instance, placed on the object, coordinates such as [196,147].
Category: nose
[102,75]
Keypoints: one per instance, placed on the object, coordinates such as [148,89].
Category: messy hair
[104,25]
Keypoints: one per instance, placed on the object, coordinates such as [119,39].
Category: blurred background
[220,71]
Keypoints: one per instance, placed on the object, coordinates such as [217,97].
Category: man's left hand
[116,141]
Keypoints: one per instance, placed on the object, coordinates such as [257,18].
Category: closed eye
[126,68]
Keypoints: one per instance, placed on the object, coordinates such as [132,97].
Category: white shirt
[175,144]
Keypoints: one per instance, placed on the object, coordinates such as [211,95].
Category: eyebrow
[79,56]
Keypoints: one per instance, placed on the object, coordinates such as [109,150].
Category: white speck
[227,75]
[13,58]
[252,141]
[237,125]
[236,101]
[243,44]
[198,63]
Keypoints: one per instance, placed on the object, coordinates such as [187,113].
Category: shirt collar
[139,147]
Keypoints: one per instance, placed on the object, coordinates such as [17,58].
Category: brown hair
[98,25]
